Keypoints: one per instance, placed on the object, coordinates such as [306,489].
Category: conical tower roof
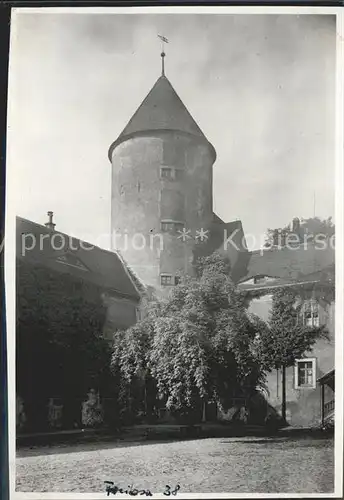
[161,110]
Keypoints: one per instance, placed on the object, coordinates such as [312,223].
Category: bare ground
[218,465]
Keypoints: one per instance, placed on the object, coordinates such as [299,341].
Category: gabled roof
[161,110]
[289,266]
[83,260]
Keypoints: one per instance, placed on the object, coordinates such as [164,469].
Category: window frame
[170,170]
[296,373]
[174,176]
[166,275]
[310,311]
[173,223]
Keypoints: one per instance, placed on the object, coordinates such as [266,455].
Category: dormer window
[311,313]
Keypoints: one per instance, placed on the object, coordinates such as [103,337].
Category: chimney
[296,225]
[50,224]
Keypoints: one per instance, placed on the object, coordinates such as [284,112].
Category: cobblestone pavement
[218,465]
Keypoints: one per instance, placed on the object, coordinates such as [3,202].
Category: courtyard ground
[217,465]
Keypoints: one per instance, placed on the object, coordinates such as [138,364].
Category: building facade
[309,272]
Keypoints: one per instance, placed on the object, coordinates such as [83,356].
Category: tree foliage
[197,344]
[60,348]
[306,229]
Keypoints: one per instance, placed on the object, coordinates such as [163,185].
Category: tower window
[166,279]
[167,226]
[171,173]
[172,226]
[166,173]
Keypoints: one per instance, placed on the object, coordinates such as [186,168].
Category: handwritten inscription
[113,489]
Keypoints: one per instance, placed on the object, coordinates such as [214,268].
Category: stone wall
[142,198]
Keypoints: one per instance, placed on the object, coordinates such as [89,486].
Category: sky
[260,87]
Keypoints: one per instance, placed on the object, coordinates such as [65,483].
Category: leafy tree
[304,229]
[285,338]
[60,348]
[196,345]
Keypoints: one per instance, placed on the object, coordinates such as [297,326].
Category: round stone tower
[161,188]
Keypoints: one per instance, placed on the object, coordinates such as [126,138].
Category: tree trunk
[145,399]
[284,398]
[204,415]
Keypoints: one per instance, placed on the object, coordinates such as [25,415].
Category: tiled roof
[162,109]
[327,377]
[102,267]
[306,262]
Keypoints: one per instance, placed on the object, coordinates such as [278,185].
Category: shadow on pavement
[78,447]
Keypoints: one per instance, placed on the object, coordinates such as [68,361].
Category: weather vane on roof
[163,41]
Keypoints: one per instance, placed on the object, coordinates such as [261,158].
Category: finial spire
[163,41]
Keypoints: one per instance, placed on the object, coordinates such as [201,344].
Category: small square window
[167,226]
[166,279]
[166,173]
[305,376]
[171,226]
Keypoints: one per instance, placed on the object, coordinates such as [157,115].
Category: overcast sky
[261,88]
